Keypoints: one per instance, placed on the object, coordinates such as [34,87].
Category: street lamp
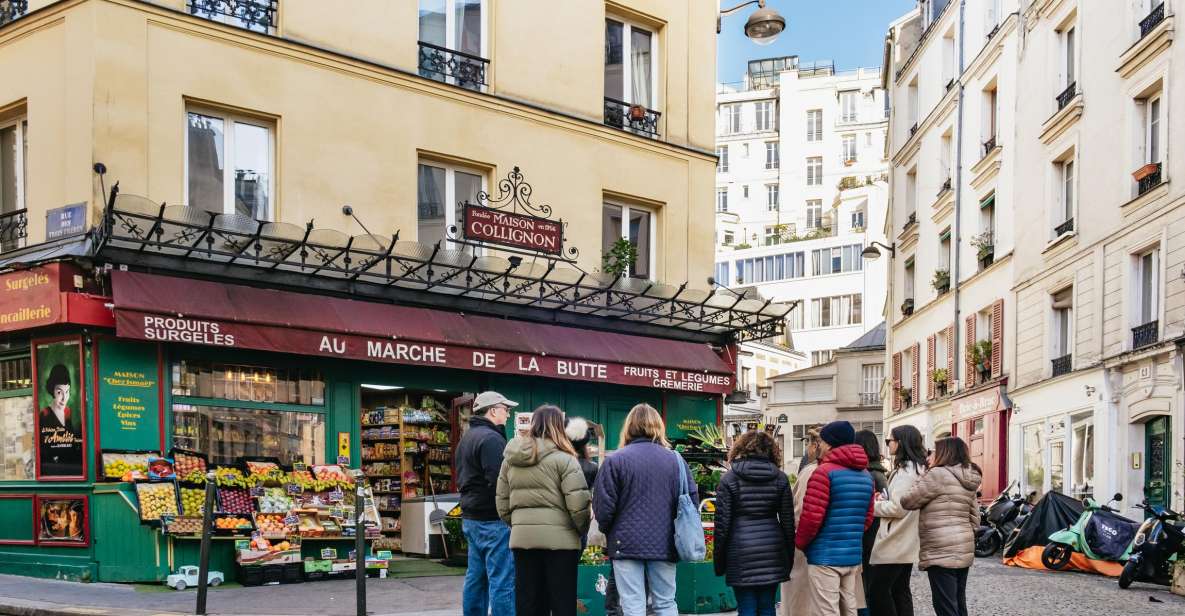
[871,252]
[764,24]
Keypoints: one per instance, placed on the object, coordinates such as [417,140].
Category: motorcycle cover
[1052,513]
[1108,534]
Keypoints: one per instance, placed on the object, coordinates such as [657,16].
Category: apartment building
[1082,391]
[951,70]
[800,181]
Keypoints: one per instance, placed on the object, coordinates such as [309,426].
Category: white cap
[486,399]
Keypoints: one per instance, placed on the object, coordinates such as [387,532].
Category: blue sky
[850,32]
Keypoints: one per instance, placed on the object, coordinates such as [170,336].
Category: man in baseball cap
[489,580]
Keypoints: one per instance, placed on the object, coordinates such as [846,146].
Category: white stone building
[800,181]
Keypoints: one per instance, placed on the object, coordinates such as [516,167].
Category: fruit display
[272,524]
[309,526]
[192,477]
[186,463]
[235,500]
[262,544]
[332,473]
[192,500]
[275,500]
[229,477]
[185,525]
[232,523]
[118,465]
[156,499]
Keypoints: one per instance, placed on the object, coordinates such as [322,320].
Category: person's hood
[878,465]
[851,456]
[755,469]
[967,476]
[520,451]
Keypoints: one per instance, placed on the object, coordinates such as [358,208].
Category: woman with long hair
[868,440]
[946,528]
[637,494]
[896,548]
[796,594]
[542,495]
[754,540]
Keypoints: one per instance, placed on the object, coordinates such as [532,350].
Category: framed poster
[62,520]
[60,399]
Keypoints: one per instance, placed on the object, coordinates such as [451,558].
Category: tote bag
[689,529]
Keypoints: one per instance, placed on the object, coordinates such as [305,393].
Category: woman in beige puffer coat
[946,496]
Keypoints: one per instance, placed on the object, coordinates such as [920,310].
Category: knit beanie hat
[838,433]
[577,430]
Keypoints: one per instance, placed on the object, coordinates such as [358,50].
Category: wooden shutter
[896,382]
[997,338]
[950,357]
[917,360]
[969,342]
[931,349]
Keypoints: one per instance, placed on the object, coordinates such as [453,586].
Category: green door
[1159,455]
[126,550]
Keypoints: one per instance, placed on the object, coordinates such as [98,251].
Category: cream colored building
[846,388]
[395,109]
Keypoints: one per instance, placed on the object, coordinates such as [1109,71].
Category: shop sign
[65,221]
[155,327]
[30,298]
[59,391]
[128,400]
[522,422]
[977,404]
[343,448]
[514,230]
[783,418]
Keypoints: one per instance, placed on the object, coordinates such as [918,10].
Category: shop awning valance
[187,311]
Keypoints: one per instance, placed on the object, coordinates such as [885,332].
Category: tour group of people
[839,538]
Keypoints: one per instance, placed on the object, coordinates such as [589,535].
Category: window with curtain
[814,171]
[814,125]
[814,214]
[1082,457]
[630,63]
[849,148]
[722,199]
[441,191]
[722,159]
[847,106]
[1033,443]
[229,163]
[771,155]
[771,197]
[455,25]
[764,115]
[14,148]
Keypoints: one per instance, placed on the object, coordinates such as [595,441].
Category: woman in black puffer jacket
[754,543]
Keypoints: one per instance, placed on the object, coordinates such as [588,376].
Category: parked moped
[999,519]
[1159,542]
[1100,533]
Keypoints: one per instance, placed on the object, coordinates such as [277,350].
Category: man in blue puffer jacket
[836,510]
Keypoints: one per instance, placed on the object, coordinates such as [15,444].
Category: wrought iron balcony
[870,398]
[989,145]
[12,9]
[254,15]
[1153,19]
[945,187]
[14,228]
[1149,181]
[1144,335]
[912,219]
[950,84]
[1061,365]
[994,31]
[913,130]
[1065,227]
[636,118]
[1067,95]
[455,67]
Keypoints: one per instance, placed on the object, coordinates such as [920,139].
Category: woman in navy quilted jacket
[754,524]
[637,492]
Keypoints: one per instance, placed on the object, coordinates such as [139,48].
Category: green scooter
[1100,533]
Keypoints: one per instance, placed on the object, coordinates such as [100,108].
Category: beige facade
[349,118]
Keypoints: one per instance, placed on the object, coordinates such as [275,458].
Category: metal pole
[204,558]
[360,548]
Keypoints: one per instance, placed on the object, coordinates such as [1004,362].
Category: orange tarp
[1030,558]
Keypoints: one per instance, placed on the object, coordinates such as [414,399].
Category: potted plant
[637,113]
[906,395]
[941,280]
[620,258]
[980,355]
[1145,171]
[907,307]
[985,248]
[939,376]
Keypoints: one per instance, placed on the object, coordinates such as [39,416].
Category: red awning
[169,309]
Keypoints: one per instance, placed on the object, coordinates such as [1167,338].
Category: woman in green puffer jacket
[542,495]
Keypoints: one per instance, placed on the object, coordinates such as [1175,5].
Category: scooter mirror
[1117,497]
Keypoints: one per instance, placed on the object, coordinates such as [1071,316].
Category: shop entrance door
[1158,451]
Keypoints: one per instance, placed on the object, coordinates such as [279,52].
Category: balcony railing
[1067,95]
[636,118]
[1065,227]
[989,145]
[1149,180]
[945,187]
[994,31]
[950,84]
[1061,365]
[912,219]
[1144,335]
[870,398]
[14,228]
[455,67]
[12,9]
[254,15]
[913,130]
[1153,19]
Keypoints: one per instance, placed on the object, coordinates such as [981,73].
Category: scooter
[1100,533]
[999,519]
[1158,545]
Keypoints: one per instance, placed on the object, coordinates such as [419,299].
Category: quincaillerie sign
[510,221]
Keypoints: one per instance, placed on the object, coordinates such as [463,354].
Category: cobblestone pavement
[992,590]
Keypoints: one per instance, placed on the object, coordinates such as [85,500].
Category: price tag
[337,512]
[343,460]
[294,489]
[257,491]
[299,466]
[291,520]
[384,555]
[353,554]
[166,519]
[369,501]
[242,544]
[329,553]
[336,495]
[256,535]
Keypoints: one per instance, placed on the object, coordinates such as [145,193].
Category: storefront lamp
[764,24]
[870,251]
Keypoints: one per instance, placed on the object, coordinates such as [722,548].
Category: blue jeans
[755,600]
[631,577]
[489,578]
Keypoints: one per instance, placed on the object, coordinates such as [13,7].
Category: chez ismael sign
[513,230]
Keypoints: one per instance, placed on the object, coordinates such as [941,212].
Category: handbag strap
[682,474]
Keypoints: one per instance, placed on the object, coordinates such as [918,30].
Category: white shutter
[816,390]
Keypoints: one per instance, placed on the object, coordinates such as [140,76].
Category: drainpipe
[956,233]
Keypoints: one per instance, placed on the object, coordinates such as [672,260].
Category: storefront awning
[170,309]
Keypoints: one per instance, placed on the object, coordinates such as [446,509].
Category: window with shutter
[931,349]
[917,360]
[997,338]
[950,357]
[817,390]
[896,382]
[969,339]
